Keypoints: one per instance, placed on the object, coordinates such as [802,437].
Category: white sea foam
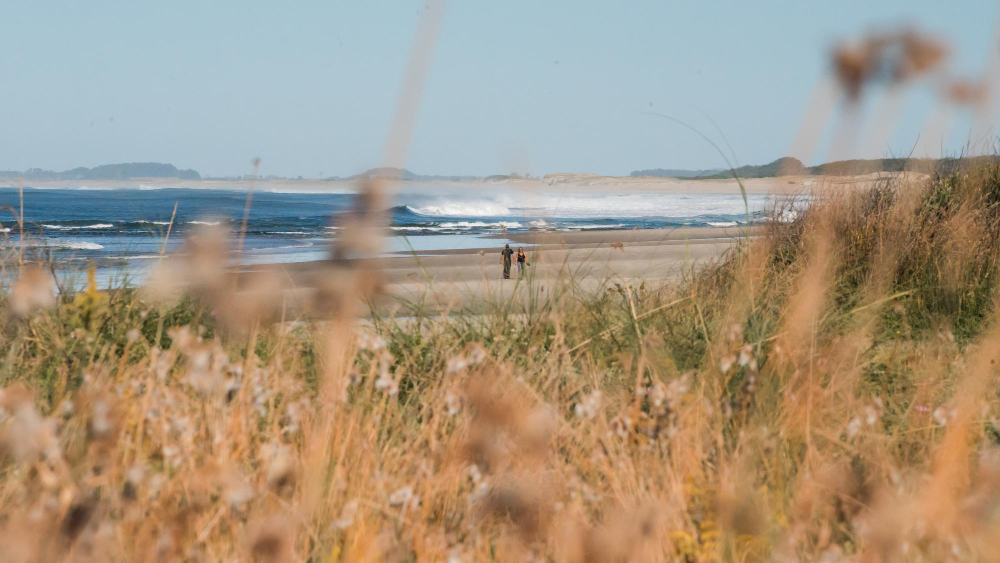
[77,245]
[480,224]
[137,257]
[291,246]
[414,228]
[586,227]
[209,223]
[5,230]
[79,227]
[153,222]
[461,209]
[586,206]
[722,223]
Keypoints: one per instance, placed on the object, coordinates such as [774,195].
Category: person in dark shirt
[522,261]
[505,258]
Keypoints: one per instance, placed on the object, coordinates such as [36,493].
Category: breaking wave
[288,247]
[461,209]
[77,245]
[415,228]
[480,224]
[78,227]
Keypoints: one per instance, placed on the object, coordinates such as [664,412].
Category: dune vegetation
[827,391]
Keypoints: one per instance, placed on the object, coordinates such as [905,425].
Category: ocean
[124,229]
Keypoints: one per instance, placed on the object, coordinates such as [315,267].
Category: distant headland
[125,171]
[785,166]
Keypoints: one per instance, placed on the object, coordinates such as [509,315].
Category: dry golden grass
[827,392]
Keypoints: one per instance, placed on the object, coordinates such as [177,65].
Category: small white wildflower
[590,496]
[746,354]
[100,425]
[456,364]
[475,473]
[727,363]
[589,406]
[481,490]
[133,335]
[239,496]
[941,416]
[401,496]
[346,518]
[658,397]
[476,355]
[871,415]
[163,365]
[454,403]
[387,384]
[853,426]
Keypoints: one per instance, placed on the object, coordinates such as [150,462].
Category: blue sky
[527,86]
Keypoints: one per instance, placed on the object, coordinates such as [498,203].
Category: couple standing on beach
[506,257]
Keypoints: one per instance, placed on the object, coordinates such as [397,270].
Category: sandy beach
[467,280]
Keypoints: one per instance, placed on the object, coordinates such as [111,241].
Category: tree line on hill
[124,171]
[789,166]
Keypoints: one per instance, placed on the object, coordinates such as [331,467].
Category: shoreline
[545,242]
[552,183]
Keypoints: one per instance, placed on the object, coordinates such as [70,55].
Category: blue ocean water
[118,227]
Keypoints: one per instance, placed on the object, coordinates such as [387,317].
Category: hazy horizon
[518,87]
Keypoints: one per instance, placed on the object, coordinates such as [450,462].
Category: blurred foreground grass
[828,391]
